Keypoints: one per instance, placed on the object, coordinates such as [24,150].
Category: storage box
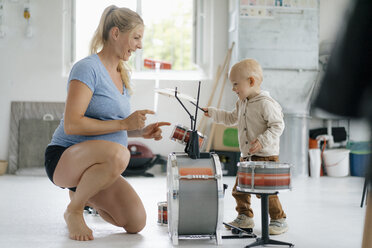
[229,161]
[360,157]
[359,162]
[226,138]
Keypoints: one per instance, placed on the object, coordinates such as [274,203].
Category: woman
[88,150]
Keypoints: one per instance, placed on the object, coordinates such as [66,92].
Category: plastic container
[359,162]
[315,163]
[360,155]
[336,162]
[226,138]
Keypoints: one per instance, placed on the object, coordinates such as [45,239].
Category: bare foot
[76,226]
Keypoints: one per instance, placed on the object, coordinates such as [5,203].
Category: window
[169,31]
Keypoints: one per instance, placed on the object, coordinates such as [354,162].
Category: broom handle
[211,134]
[225,66]
[202,125]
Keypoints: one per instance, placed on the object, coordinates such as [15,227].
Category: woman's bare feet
[77,227]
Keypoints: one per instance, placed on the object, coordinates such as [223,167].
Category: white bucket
[315,162]
[337,162]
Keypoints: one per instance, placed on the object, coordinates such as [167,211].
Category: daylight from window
[168,34]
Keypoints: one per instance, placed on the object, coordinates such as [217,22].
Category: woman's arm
[75,123]
[152,131]
[135,133]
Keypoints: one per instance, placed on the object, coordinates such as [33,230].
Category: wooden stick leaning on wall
[211,133]
[202,123]
[225,67]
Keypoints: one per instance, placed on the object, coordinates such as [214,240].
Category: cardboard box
[226,138]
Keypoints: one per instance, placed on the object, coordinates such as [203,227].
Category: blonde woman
[88,150]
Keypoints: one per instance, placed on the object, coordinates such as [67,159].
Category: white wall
[31,69]
[331,18]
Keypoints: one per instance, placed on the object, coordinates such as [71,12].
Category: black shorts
[52,156]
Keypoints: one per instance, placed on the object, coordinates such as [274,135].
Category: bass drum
[195,197]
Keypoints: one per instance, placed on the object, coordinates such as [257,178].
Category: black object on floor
[365,192]
[240,233]
[228,161]
[265,239]
[141,159]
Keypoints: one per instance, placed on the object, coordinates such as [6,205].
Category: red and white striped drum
[179,133]
[263,176]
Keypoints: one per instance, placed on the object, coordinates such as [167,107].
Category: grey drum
[195,197]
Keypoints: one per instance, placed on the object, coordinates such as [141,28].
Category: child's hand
[206,112]
[255,146]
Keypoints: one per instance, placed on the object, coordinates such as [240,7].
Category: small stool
[265,239]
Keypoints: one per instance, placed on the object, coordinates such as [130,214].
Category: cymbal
[171,93]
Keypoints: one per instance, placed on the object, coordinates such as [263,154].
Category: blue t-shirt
[107,102]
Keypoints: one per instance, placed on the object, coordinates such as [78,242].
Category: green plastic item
[230,137]
[361,147]
[360,152]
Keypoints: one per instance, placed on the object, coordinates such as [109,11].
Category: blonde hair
[123,18]
[248,68]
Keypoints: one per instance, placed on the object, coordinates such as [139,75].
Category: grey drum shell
[195,207]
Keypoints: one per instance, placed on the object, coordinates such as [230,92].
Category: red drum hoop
[263,176]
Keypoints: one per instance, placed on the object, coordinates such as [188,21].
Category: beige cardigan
[260,117]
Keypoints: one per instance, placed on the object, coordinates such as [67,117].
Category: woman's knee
[119,159]
[136,225]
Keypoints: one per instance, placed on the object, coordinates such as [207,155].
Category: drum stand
[265,239]
[192,146]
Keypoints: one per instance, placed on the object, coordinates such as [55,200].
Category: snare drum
[195,197]
[179,133]
[263,176]
[201,138]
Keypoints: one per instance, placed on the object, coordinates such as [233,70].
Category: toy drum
[162,213]
[263,176]
[179,133]
[195,197]
[201,138]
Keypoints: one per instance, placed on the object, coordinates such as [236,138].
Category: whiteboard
[287,40]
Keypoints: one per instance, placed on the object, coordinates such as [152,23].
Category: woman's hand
[136,120]
[206,112]
[153,131]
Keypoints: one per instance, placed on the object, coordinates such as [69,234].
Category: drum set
[194,184]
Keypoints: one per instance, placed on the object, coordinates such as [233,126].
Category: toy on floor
[239,233]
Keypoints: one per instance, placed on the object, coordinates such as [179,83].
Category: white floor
[321,212]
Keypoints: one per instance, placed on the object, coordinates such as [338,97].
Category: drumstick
[198,107]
